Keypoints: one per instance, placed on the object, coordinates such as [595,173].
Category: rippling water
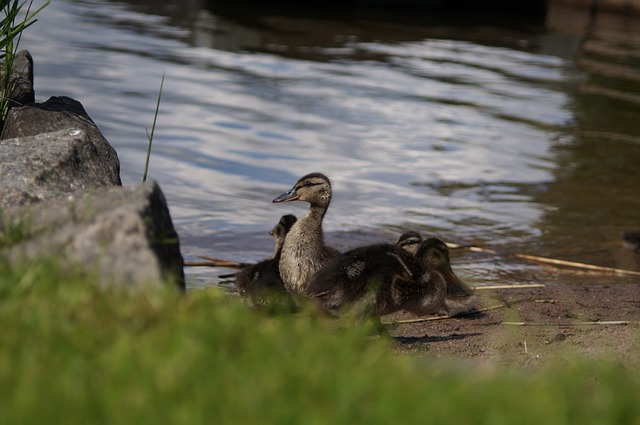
[522,136]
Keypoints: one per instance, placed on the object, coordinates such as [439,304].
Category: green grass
[153,129]
[74,353]
[13,229]
[14,20]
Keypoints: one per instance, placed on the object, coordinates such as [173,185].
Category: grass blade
[153,127]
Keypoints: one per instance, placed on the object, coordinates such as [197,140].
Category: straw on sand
[546,260]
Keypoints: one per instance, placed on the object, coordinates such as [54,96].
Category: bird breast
[302,256]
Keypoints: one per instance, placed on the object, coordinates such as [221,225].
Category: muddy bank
[554,324]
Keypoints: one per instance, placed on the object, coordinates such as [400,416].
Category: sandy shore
[566,316]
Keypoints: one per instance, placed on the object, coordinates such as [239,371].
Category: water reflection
[594,191]
[327,32]
[516,133]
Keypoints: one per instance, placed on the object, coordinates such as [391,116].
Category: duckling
[280,231]
[459,295]
[409,241]
[304,251]
[379,279]
[260,284]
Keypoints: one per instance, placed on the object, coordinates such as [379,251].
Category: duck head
[280,231]
[283,226]
[409,241]
[433,254]
[314,188]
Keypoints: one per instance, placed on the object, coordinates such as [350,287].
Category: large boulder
[52,165]
[125,234]
[64,113]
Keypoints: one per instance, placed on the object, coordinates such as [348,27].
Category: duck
[409,241]
[375,280]
[304,251]
[260,284]
[459,297]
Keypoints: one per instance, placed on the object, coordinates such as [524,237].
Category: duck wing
[362,276]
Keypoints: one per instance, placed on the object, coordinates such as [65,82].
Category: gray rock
[123,233]
[61,196]
[52,165]
[63,113]
[21,80]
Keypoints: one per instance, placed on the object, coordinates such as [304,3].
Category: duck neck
[278,250]
[317,212]
[303,252]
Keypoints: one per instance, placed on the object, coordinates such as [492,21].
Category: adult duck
[304,251]
[376,280]
[260,284]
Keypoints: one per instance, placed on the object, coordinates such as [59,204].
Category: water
[521,135]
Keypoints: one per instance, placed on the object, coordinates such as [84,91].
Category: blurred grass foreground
[74,352]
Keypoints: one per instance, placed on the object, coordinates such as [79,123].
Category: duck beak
[291,195]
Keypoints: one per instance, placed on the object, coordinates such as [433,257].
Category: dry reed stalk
[221,260]
[493,287]
[547,260]
[576,264]
[432,318]
[472,248]
[566,324]
[230,265]
[215,262]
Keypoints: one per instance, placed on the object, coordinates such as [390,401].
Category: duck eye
[308,184]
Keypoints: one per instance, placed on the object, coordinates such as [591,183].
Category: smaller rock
[62,113]
[21,80]
[52,165]
[559,337]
